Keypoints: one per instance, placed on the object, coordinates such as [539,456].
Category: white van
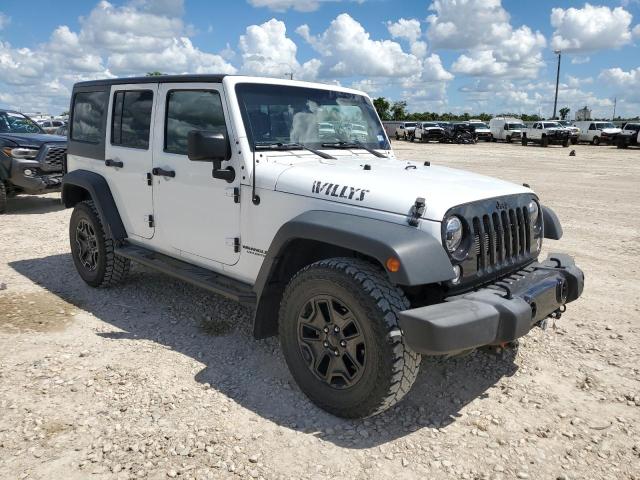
[506,128]
[598,132]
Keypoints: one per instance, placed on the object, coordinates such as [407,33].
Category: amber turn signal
[393,264]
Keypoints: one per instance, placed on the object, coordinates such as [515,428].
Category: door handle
[160,172]
[113,163]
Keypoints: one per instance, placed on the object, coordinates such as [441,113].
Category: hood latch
[416,212]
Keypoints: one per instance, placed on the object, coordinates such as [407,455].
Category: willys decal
[339,191]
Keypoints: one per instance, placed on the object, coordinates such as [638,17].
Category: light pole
[555,102]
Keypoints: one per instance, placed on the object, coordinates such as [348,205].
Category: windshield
[632,126]
[477,125]
[551,125]
[409,124]
[13,122]
[312,117]
[602,125]
[565,123]
[515,126]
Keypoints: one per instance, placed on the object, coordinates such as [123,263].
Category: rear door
[128,154]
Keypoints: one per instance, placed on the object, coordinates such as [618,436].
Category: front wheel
[341,340]
[92,250]
[544,142]
[595,141]
[508,139]
[524,141]
[574,141]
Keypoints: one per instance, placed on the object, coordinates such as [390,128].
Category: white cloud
[298,5]
[492,46]
[622,78]
[590,28]
[347,50]
[266,50]
[409,30]
[579,60]
[4,20]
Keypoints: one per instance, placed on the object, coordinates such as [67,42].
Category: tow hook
[555,315]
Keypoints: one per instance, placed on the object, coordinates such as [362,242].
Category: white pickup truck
[546,133]
[405,130]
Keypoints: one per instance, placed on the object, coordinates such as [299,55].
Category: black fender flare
[73,183]
[551,224]
[422,258]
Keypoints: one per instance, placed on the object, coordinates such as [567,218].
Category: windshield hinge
[416,212]
[149,179]
[150,221]
[233,242]
[233,192]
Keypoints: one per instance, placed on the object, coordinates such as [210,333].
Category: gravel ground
[157,379]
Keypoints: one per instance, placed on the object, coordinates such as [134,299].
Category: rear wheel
[92,249]
[544,141]
[574,141]
[508,139]
[565,143]
[341,340]
[3,197]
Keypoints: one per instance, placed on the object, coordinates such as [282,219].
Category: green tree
[154,74]
[382,106]
[399,110]
[564,112]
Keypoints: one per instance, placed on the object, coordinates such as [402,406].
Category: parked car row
[509,129]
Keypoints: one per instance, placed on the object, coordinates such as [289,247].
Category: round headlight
[453,233]
[534,212]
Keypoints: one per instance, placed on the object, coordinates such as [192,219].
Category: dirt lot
[157,379]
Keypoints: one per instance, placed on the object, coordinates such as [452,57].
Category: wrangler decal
[339,191]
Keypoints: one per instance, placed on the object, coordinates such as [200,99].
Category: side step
[214,282]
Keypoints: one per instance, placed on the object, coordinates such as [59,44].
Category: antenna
[254,198]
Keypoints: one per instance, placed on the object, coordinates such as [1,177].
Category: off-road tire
[3,197]
[111,269]
[390,366]
[544,141]
[595,141]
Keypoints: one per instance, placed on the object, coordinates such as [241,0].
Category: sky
[437,55]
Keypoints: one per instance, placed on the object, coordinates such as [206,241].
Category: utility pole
[555,102]
[615,101]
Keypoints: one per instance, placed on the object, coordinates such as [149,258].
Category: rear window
[88,110]
[131,118]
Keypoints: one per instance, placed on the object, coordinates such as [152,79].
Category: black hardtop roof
[203,78]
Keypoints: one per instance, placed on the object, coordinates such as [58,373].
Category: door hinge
[234,242]
[149,179]
[233,192]
[150,220]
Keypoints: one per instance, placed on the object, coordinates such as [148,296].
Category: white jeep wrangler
[358,261]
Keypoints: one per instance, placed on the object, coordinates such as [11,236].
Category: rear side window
[88,108]
[189,110]
[131,118]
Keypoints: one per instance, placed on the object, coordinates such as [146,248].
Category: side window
[131,118]
[592,127]
[189,110]
[88,108]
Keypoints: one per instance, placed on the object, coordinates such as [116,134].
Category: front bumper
[41,182]
[499,313]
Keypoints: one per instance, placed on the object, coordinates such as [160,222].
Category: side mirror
[205,146]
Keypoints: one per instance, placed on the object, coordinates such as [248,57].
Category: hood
[611,131]
[32,139]
[390,185]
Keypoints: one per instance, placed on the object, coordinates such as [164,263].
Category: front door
[196,214]
[129,154]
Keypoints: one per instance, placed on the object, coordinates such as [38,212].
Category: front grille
[501,238]
[54,156]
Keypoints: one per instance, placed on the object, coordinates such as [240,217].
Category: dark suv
[31,161]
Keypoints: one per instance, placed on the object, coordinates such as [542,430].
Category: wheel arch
[318,235]
[80,185]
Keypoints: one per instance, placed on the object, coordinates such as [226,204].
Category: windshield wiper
[292,146]
[354,144]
